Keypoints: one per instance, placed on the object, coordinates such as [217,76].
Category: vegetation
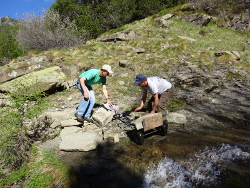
[43,170]
[97,17]
[175,104]
[15,145]
[9,48]
[166,50]
[47,32]
[71,23]
[21,163]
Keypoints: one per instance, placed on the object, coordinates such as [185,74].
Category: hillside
[7,20]
[208,65]
[198,60]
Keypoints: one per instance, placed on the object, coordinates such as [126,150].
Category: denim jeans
[86,105]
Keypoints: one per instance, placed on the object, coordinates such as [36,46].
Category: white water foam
[200,170]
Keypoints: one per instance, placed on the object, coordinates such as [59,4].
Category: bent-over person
[84,83]
[160,89]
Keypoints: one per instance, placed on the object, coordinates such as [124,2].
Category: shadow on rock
[104,167]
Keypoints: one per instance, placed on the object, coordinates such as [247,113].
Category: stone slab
[176,118]
[139,122]
[103,115]
[81,141]
[152,122]
[70,122]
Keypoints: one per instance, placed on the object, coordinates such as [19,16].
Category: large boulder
[197,19]
[123,36]
[22,67]
[48,80]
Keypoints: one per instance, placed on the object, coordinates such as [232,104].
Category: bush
[48,31]
[9,48]
[97,17]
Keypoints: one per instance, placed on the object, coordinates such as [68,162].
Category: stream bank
[221,152]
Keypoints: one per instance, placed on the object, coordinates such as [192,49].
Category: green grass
[175,104]
[43,170]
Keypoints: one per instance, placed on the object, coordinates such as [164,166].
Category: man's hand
[138,108]
[86,95]
[109,102]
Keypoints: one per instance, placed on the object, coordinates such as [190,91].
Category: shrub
[9,48]
[48,31]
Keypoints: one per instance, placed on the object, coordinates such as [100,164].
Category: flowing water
[208,157]
[204,169]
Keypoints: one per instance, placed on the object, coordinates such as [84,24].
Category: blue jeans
[86,105]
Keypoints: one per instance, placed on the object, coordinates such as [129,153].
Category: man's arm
[105,92]
[156,102]
[82,82]
[143,100]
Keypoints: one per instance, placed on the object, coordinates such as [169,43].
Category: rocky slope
[209,68]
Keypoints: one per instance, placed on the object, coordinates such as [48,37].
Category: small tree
[48,31]
[9,48]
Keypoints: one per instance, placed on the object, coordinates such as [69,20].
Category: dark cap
[139,78]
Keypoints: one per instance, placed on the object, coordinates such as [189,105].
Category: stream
[207,157]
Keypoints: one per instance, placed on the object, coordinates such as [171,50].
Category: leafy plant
[9,48]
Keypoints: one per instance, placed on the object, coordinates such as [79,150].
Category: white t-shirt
[157,85]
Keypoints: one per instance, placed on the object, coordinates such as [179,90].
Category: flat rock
[176,118]
[76,140]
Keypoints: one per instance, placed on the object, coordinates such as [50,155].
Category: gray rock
[70,122]
[104,114]
[48,80]
[176,118]
[186,38]
[167,16]
[73,139]
[234,54]
[124,36]
[197,19]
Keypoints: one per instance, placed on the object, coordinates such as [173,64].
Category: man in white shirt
[160,89]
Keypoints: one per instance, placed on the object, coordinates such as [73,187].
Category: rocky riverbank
[212,83]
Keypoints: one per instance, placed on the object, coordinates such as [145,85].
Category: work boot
[88,120]
[79,118]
